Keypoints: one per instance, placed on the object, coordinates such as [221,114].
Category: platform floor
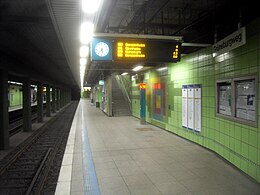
[118,156]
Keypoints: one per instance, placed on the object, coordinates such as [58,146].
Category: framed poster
[237,99]
[246,100]
[190,109]
[184,106]
[197,121]
[225,91]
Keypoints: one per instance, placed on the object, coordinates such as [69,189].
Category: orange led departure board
[130,50]
[146,50]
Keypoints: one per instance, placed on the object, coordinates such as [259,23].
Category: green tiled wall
[237,143]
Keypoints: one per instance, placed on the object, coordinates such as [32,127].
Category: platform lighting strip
[137,68]
[15,83]
[89,8]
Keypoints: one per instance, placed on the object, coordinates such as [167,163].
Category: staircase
[120,106]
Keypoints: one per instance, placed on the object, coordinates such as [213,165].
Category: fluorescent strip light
[137,68]
[83,51]
[90,6]
[15,83]
[125,73]
[86,32]
[83,61]
[162,69]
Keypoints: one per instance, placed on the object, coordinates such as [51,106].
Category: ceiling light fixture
[90,6]
[84,51]
[125,73]
[86,32]
[83,61]
[162,69]
[137,68]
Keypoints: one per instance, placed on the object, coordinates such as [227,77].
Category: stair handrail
[121,85]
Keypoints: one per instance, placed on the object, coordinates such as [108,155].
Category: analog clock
[101,49]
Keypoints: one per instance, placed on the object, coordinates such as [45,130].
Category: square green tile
[252,154]
[217,136]
[258,156]
[237,146]
[253,138]
[244,165]
[252,170]
[238,133]
[244,150]
[258,175]
[231,158]
[227,138]
[222,138]
[237,161]
[226,154]
[245,136]
[232,131]
[232,143]
[258,140]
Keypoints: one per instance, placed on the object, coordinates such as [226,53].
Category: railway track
[32,164]
[16,119]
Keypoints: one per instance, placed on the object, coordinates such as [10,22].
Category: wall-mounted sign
[191,107]
[130,50]
[146,50]
[101,82]
[230,42]
[101,50]
[142,86]
[184,106]
[135,49]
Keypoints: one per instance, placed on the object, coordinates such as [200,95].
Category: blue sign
[101,50]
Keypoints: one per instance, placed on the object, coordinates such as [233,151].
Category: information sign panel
[184,106]
[197,91]
[190,107]
[146,50]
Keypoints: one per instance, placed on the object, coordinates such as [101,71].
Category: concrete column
[64,96]
[69,95]
[58,98]
[48,101]
[39,101]
[27,116]
[61,98]
[53,99]
[4,115]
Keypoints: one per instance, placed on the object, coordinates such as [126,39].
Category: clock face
[101,49]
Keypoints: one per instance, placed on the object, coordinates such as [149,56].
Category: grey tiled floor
[130,161]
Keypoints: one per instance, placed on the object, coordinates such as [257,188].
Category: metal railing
[122,85]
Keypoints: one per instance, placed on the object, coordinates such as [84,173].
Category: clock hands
[101,51]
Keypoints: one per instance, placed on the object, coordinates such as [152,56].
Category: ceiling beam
[139,36]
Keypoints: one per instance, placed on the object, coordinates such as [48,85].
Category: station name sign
[141,50]
[232,41]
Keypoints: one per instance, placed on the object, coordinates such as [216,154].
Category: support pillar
[142,103]
[61,98]
[58,98]
[4,115]
[48,101]
[53,94]
[27,116]
[39,101]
